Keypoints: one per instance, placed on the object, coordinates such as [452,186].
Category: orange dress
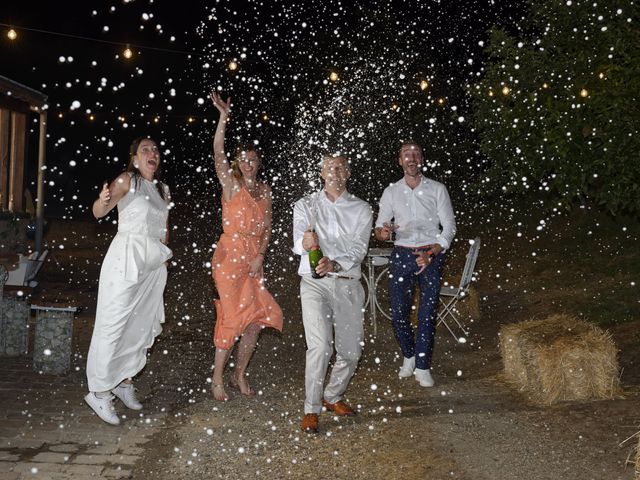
[243,299]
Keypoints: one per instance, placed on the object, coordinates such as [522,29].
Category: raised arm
[223,169]
[110,195]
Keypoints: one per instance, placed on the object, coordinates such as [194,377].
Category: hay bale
[560,358]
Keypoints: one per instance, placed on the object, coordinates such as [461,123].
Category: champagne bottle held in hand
[315,255]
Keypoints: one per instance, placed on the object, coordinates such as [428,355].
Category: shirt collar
[344,196]
[423,181]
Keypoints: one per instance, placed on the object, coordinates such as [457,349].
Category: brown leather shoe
[339,408]
[309,423]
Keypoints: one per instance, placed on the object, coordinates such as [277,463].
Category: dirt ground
[471,425]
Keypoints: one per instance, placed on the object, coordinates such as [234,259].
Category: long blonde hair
[242,149]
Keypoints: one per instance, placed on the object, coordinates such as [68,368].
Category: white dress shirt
[423,215]
[343,228]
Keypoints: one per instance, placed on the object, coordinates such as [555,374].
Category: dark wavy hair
[133,150]
[410,142]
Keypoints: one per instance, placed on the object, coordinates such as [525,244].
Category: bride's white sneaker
[103,407]
[127,394]
[424,377]
[406,370]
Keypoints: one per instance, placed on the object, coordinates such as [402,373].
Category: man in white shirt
[332,306]
[424,225]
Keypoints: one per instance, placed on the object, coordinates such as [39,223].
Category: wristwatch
[336,266]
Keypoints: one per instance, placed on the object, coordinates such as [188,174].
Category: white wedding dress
[130,307]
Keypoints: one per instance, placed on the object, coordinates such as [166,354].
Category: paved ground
[47,431]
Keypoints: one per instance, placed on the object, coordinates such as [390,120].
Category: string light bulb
[233,65]
[601,75]
[545,85]
[156,120]
[265,117]
[441,101]
[424,85]
[12,34]
[191,119]
[333,76]
[506,90]
[584,93]
[127,53]
[490,93]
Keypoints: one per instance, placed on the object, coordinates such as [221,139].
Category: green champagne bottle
[315,255]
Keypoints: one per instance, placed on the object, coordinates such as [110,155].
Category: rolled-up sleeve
[446,217]
[386,209]
[360,240]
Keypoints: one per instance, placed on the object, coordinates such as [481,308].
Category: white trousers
[332,315]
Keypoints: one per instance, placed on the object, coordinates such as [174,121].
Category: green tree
[557,106]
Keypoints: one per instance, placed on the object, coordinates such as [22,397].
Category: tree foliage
[557,106]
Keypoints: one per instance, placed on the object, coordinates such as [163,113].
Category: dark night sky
[285,50]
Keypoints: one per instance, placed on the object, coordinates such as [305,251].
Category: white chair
[450,296]
[28,268]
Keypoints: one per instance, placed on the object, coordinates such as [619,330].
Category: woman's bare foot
[241,384]
[218,392]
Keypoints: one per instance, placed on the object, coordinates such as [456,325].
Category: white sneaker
[127,394]
[408,364]
[424,377]
[103,407]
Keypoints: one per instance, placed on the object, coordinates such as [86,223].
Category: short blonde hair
[328,156]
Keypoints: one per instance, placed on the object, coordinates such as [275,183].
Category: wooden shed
[17,103]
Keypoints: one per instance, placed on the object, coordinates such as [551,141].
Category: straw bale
[560,358]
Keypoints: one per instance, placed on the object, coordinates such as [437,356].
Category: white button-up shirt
[343,228]
[423,215]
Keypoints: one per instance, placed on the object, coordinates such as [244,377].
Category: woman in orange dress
[245,306]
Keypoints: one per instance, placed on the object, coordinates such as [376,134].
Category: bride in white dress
[130,307]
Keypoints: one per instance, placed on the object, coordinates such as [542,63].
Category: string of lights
[12,34]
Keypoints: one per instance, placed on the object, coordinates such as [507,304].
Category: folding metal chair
[450,296]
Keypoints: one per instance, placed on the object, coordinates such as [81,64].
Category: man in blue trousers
[419,211]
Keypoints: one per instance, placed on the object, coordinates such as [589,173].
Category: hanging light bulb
[490,93]
[584,93]
[333,76]
[545,85]
[12,34]
[127,53]
[441,101]
[233,65]
[424,85]
[506,90]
